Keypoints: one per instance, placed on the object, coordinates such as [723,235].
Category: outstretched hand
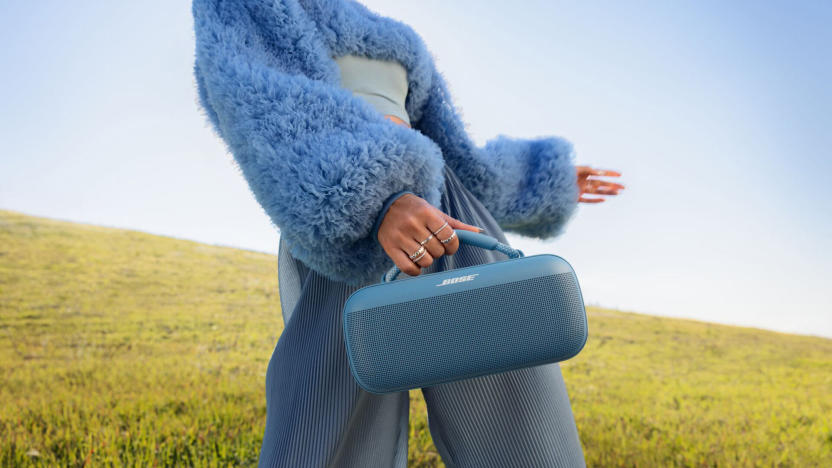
[588,183]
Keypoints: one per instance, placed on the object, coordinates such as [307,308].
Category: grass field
[124,348]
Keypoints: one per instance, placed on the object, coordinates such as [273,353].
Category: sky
[717,114]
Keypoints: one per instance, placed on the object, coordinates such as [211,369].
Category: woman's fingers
[601,187]
[412,226]
[604,184]
[457,224]
[406,265]
[604,172]
[435,248]
[429,220]
[588,184]
[422,258]
[449,246]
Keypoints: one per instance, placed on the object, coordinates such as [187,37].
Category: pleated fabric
[317,416]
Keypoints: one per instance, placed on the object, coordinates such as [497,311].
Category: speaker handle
[471,238]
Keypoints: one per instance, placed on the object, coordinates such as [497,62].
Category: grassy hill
[121,347]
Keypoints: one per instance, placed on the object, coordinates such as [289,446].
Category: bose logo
[458,279]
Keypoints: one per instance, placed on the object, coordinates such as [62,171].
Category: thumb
[457,224]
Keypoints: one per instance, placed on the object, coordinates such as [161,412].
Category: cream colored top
[382,83]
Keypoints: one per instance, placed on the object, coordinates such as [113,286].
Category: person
[346,134]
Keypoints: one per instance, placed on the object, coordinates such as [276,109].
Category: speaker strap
[471,238]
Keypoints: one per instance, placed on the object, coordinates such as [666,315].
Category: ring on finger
[419,257]
[445,241]
[436,233]
[418,253]
[426,240]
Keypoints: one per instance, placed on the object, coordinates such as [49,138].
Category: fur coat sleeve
[322,162]
[528,185]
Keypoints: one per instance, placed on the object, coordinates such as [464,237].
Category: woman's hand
[587,183]
[409,221]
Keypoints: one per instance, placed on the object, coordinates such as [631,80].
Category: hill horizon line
[589,303]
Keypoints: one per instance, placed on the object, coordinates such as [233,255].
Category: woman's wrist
[384,209]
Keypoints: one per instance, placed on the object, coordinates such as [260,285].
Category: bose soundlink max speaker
[457,324]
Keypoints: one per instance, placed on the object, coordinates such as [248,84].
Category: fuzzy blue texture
[322,162]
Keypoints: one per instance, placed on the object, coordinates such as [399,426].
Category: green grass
[124,348]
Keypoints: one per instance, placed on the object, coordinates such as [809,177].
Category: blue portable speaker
[440,327]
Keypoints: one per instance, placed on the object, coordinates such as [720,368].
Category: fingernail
[481,229]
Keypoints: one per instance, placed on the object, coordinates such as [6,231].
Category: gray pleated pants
[317,416]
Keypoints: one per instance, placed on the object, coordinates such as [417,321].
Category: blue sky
[716,113]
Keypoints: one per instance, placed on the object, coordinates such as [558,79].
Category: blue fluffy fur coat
[322,162]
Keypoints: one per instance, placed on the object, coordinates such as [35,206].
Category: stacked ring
[419,257]
[445,241]
[420,252]
[441,228]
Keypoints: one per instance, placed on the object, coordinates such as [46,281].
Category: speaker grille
[463,334]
